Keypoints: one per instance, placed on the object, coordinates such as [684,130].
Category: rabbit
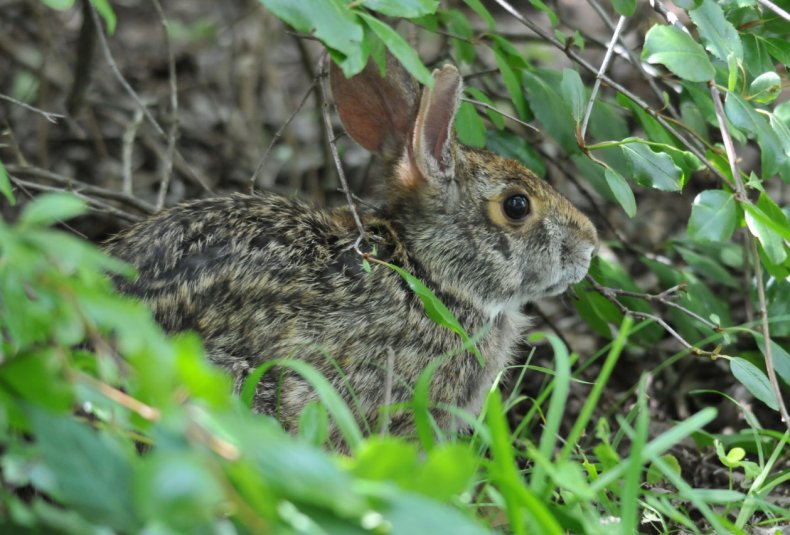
[263,276]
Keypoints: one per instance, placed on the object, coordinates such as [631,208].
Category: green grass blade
[334,404]
[597,389]
[559,396]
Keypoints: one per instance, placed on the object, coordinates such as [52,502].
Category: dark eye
[516,207]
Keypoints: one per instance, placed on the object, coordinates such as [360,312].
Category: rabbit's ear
[377,112]
[432,151]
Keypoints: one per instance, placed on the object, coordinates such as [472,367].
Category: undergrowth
[107,425]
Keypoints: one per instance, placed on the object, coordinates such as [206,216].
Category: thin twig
[121,398]
[741,197]
[776,9]
[341,175]
[127,150]
[500,112]
[633,58]
[604,65]
[117,72]
[71,184]
[48,115]
[388,380]
[172,134]
[670,17]
[95,204]
[279,133]
[610,295]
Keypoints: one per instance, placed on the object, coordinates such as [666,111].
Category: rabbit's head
[483,227]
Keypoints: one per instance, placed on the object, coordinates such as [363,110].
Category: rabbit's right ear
[377,112]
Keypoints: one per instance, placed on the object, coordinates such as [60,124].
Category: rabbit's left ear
[432,149]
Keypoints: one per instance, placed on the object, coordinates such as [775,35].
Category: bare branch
[741,197]
[117,72]
[338,165]
[604,65]
[500,112]
[172,134]
[48,115]
[279,133]
[573,56]
[776,9]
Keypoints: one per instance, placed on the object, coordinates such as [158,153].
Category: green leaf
[721,37]
[51,208]
[469,126]
[314,424]
[766,87]
[496,118]
[778,48]
[754,380]
[60,5]
[621,191]
[436,310]
[447,472]
[678,52]
[478,7]
[333,23]
[5,185]
[93,472]
[573,93]
[625,8]
[403,8]
[512,145]
[106,12]
[548,106]
[512,83]
[330,399]
[399,48]
[650,168]
[744,116]
[781,358]
[713,216]
[764,229]
[655,476]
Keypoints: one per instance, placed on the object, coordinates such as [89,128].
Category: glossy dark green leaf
[778,48]
[720,36]
[650,168]
[678,52]
[713,216]
[403,8]
[754,380]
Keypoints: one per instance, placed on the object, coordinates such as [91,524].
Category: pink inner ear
[376,112]
[440,113]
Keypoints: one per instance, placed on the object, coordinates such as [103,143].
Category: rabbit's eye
[516,207]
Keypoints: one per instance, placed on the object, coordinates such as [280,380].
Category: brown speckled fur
[262,277]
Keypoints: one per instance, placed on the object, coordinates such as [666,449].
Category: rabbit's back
[262,277]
